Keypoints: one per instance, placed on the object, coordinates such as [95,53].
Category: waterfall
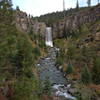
[48,41]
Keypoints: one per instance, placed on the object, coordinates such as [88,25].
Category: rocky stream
[47,68]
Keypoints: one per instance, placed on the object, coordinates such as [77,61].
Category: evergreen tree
[89,3]
[77,5]
[69,69]
[6,13]
[47,86]
[98,1]
[16,57]
[86,75]
[96,70]
[17,8]
[7,4]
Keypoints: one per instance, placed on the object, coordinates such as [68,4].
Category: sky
[40,7]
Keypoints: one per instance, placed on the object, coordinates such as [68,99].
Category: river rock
[72,91]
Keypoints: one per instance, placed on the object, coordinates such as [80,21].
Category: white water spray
[49,37]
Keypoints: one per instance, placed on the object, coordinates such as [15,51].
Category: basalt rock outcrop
[26,24]
[88,15]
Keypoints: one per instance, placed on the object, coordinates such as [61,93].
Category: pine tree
[69,69]
[86,76]
[77,5]
[6,13]
[47,86]
[98,1]
[96,70]
[89,3]
[17,8]
[7,4]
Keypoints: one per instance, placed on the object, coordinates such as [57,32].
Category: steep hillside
[77,35]
[25,23]
[18,56]
[79,56]
[66,23]
[72,23]
[54,17]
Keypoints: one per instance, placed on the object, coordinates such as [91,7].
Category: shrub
[84,29]
[71,51]
[47,86]
[83,92]
[36,51]
[86,75]
[96,70]
[26,89]
[69,69]
[16,58]
[59,61]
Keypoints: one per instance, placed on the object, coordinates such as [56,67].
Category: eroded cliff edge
[65,26]
[61,28]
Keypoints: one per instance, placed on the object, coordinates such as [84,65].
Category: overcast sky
[40,7]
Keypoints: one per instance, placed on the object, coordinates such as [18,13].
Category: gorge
[83,22]
[52,57]
[71,22]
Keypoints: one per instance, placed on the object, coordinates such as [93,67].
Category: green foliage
[37,52]
[71,50]
[69,69]
[96,70]
[59,61]
[8,41]
[6,13]
[17,8]
[80,32]
[83,92]
[26,89]
[41,43]
[17,58]
[51,18]
[47,86]
[86,76]
[84,29]
[87,54]
[37,38]
[23,60]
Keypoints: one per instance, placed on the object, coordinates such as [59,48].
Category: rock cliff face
[89,15]
[25,24]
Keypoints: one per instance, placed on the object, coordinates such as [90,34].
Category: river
[47,68]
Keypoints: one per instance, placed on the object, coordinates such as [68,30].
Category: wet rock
[97,36]
[72,91]
[60,67]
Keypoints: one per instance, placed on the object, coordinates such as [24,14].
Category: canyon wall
[88,15]
[26,24]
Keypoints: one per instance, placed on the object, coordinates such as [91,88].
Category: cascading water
[47,68]
[48,41]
